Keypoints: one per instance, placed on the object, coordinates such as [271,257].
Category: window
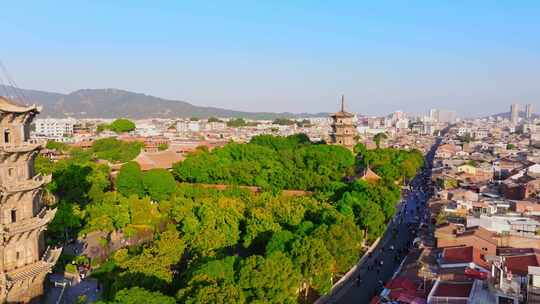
[17,255]
[10,172]
[6,136]
[13,216]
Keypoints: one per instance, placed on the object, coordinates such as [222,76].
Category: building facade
[25,259]
[528,111]
[343,128]
[514,113]
[52,128]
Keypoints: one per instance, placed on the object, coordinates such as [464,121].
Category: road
[393,247]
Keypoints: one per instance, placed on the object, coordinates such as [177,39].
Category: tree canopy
[122,125]
[270,163]
[203,245]
[116,151]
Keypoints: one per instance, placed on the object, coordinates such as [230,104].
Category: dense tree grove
[120,125]
[116,151]
[391,164]
[203,245]
[269,162]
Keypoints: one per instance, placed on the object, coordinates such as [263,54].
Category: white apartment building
[187,126]
[462,131]
[53,128]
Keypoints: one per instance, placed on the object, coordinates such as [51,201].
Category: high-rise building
[24,255]
[528,111]
[343,127]
[514,113]
[443,116]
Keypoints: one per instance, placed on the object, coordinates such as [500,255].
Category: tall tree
[273,279]
[159,184]
[130,180]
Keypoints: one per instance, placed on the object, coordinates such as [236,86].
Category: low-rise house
[466,168]
[525,207]
[463,257]
[505,224]
[510,274]
[453,235]
[457,292]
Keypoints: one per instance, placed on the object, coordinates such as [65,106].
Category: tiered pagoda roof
[8,105]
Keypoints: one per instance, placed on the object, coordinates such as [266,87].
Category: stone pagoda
[25,258]
[343,128]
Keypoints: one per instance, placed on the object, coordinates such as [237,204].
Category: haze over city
[474,57]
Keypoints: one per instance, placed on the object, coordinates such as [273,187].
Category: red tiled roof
[519,264]
[459,255]
[162,159]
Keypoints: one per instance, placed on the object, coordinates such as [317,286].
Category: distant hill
[113,103]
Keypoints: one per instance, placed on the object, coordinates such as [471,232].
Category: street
[385,259]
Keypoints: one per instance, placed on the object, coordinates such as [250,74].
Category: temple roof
[7,105]
[342,113]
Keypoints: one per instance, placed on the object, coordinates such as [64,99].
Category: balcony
[41,219]
[44,265]
[29,184]
[25,146]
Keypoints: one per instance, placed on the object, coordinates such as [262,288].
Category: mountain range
[114,103]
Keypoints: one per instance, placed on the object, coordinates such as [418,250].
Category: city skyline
[294,57]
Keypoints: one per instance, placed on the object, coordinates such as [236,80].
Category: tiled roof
[460,255]
[162,159]
[519,264]
[455,255]
[7,105]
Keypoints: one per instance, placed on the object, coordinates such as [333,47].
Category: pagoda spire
[342,103]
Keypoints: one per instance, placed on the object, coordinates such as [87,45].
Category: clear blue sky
[473,56]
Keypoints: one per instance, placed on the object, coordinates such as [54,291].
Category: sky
[476,57]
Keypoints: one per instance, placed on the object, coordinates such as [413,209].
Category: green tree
[163,146]
[260,225]
[152,269]
[213,225]
[56,145]
[273,279]
[343,240]
[102,127]
[378,138]
[235,123]
[283,122]
[130,180]
[159,184]
[43,165]
[115,150]
[122,125]
[214,119]
[68,219]
[71,182]
[137,295]
[316,264]
[213,281]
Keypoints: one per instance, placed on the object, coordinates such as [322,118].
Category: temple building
[343,128]
[25,259]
